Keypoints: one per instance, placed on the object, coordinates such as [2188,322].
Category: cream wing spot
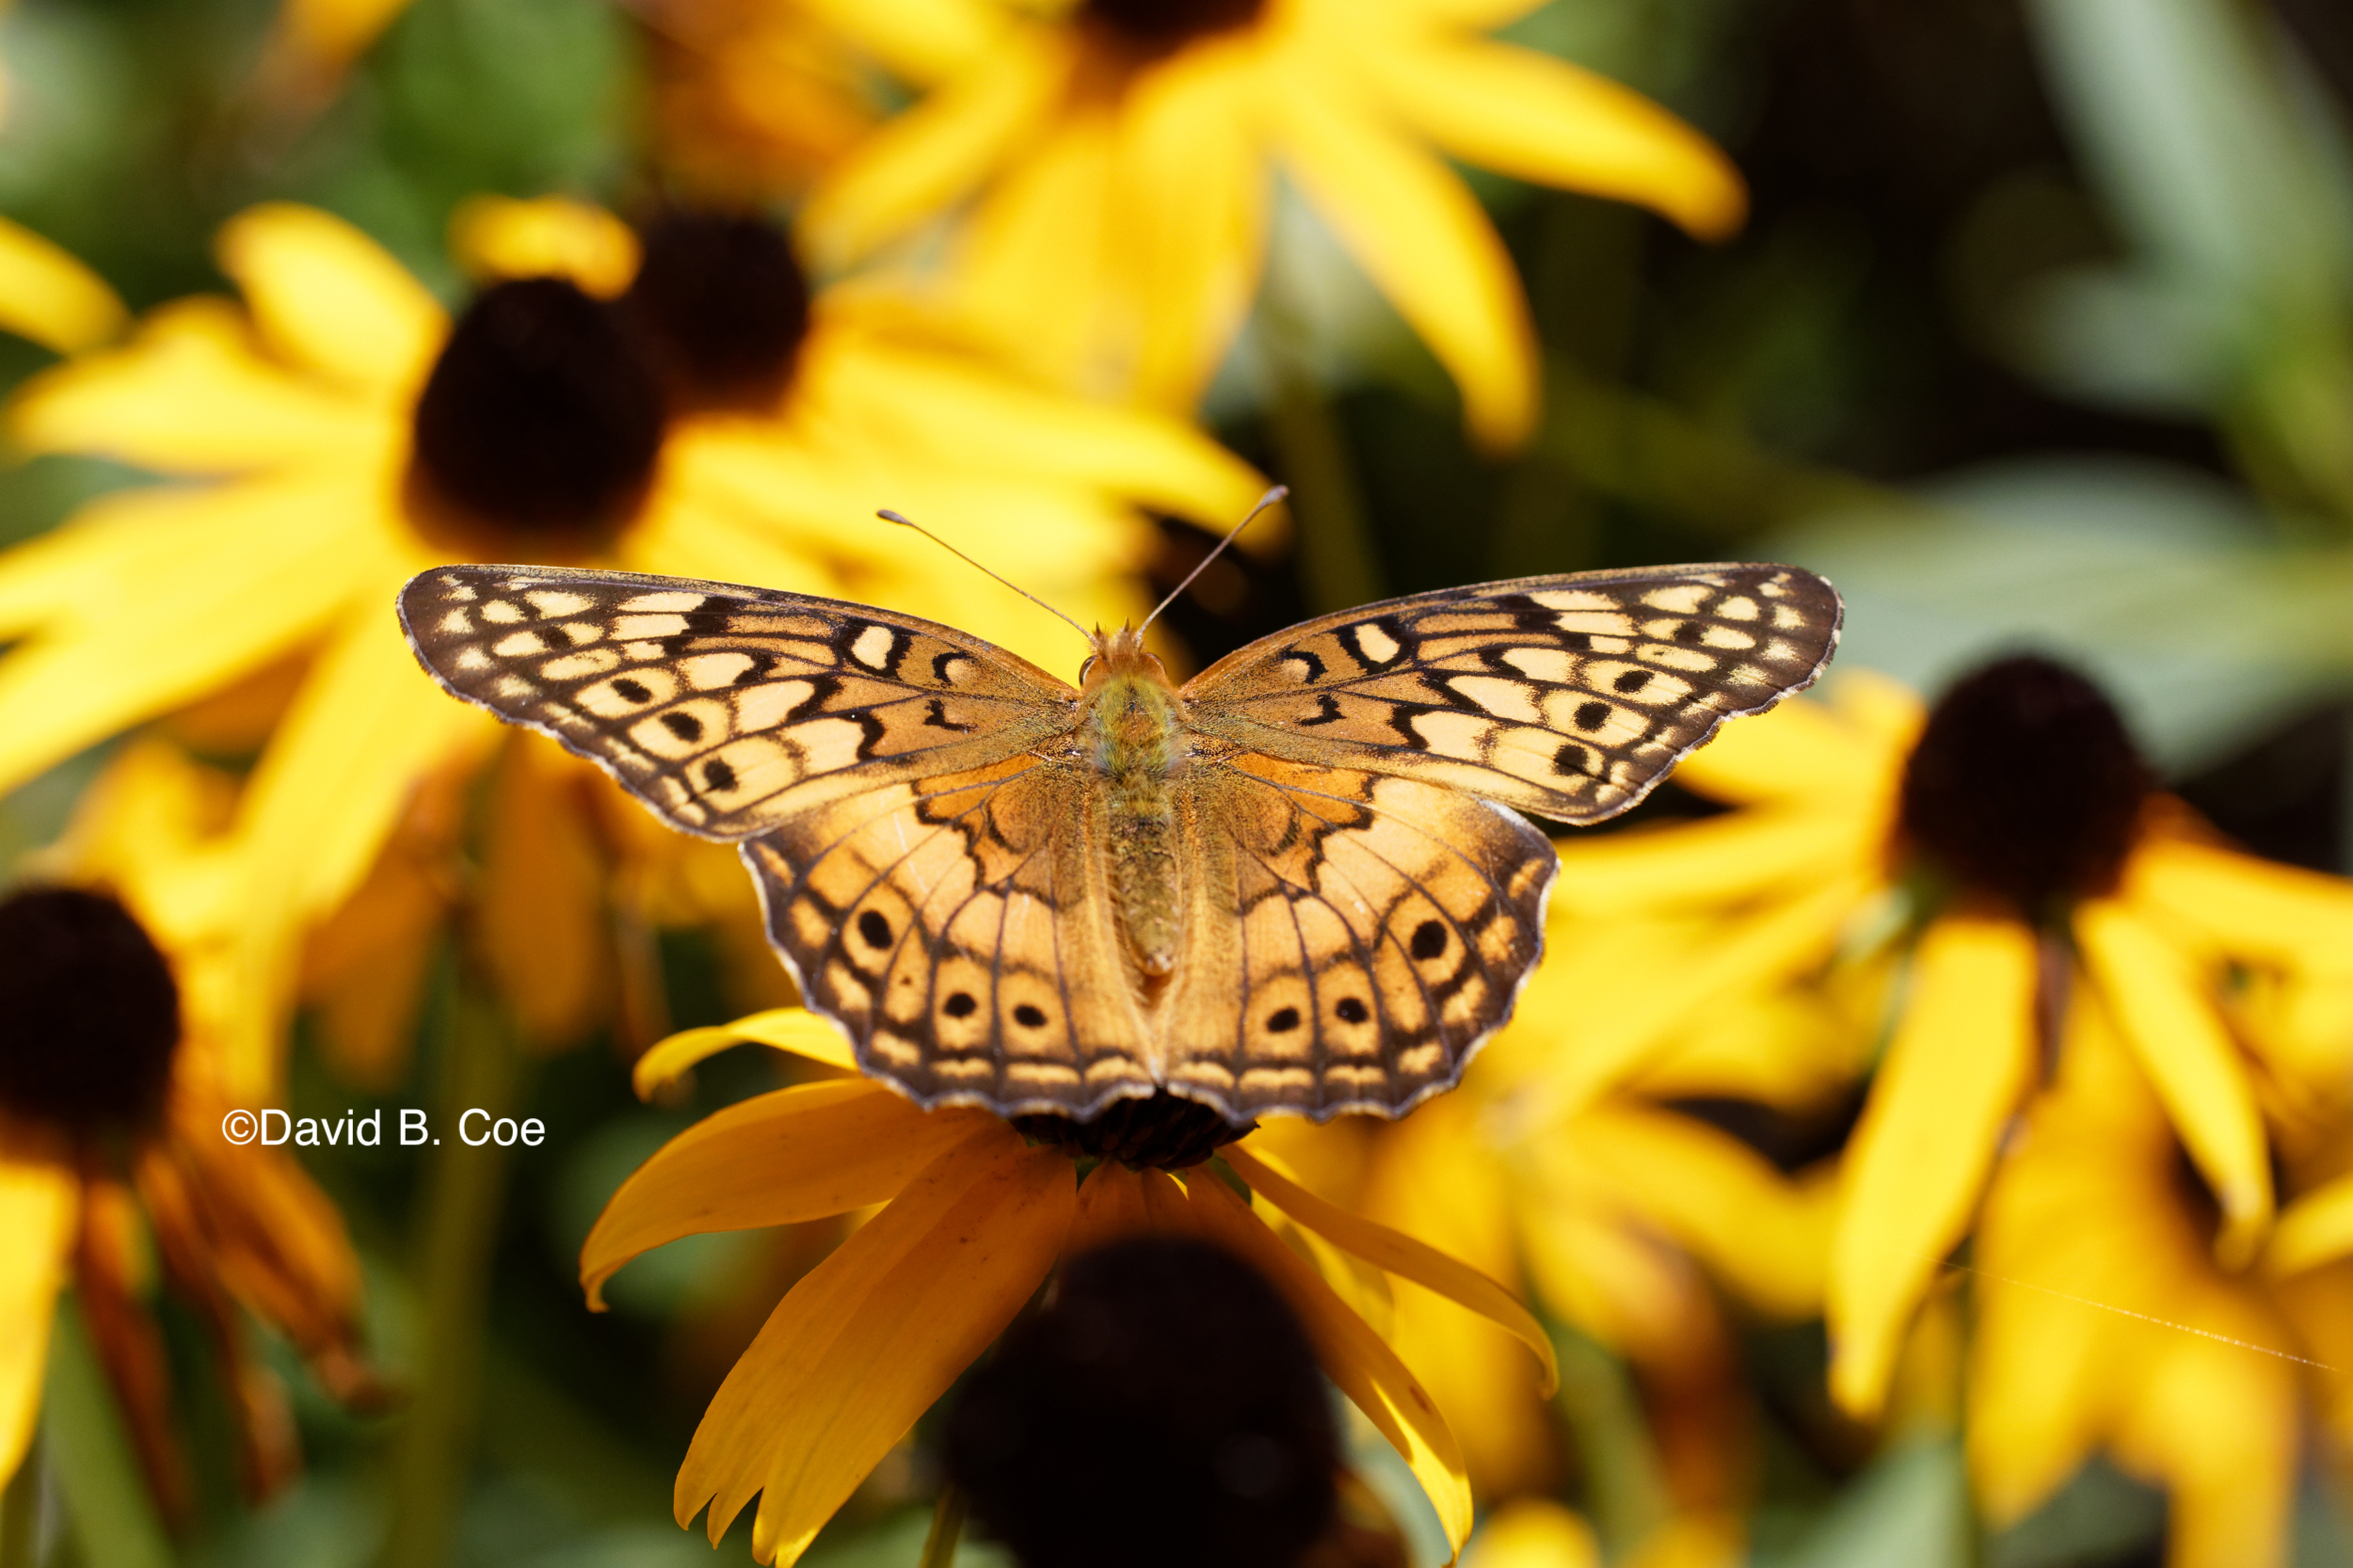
[1682,599]
[1374,643]
[1451,734]
[555,605]
[503,612]
[661,601]
[1505,699]
[649,627]
[519,644]
[711,672]
[874,646]
[1552,665]
[579,667]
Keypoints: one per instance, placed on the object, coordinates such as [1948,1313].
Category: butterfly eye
[1084,667]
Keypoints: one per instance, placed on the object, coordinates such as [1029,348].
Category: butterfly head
[1120,655]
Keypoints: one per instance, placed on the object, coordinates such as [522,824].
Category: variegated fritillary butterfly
[1289,886]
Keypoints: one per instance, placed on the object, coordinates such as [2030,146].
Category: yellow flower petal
[1802,750]
[872,1336]
[1353,1357]
[2251,909]
[2316,1229]
[1111,1208]
[330,33]
[222,581]
[2170,1020]
[923,40]
[1399,1253]
[548,237]
[777,1159]
[1714,862]
[48,295]
[541,918]
[331,299]
[1190,196]
[1599,1012]
[1755,1230]
[929,158]
[795,1030]
[1033,275]
[1962,1057]
[1542,120]
[1533,1532]
[190,395]
[38,1203]
[1422,237]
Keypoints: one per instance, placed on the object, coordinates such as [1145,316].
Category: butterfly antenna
[1264,502]
[908,522]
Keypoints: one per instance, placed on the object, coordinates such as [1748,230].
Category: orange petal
[796,1154]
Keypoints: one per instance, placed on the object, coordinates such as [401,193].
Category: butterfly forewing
[1568,697]
[727,710]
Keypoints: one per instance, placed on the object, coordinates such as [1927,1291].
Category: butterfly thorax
[1132,727]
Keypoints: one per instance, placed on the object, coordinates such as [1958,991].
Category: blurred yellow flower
[48,295]
[2010,845]
[2105,1322]
[1122,154]
[976,1213]
[337,433]
[112,1153]
[751,98]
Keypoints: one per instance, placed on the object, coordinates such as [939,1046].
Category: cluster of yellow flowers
[2118,1076]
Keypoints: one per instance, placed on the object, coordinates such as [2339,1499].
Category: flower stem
[939,1546]
[1339,565]
[460,1231]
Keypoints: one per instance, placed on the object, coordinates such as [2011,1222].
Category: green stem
[1625,1494]
[460,1231]
[20,1515]
[1339,565]
[939,1546]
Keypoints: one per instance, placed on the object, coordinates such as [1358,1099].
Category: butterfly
[1299,883]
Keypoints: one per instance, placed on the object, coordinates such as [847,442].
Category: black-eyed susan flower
[1978,859]
[2105,1323]
[977,1212]
[339,431]
[113,1097]
[1121,158]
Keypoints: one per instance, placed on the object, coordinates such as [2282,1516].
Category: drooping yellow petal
[1764,1235]
[1111,1209]
[1544,120]
[925,41]
[2169,1019]
[1399,1253]
[190,394]
[928,158]
[869,1338]
[48,295]
[2316,1229]
[2251,909]
[39,1204]
[795,1030]
[796,1154]
[1353,1357]
[548,237]
[1421,236]
[222,583]
[1190,192]
[539,907]
[1962,1057]
[1714,862]
[331,299]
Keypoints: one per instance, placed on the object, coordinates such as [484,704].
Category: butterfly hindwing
[725,709]
[1568,697]
[1352,939]
[959,929]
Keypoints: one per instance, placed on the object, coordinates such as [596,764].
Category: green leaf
[1912,1508]
[105,1496]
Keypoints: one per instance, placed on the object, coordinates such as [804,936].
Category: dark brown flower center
[1166,1400]
[537,430]
[89,1016]
[1160,26]
[718,309]
[1163,1133]
[2026,785]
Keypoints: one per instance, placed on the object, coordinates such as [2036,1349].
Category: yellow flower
[1996,848]
[2105,1322]
[335,434]
[974,1219]
[51,297]
[1124,154]
[112,1100]
[753,97]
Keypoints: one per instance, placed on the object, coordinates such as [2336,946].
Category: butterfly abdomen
[1136,740]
